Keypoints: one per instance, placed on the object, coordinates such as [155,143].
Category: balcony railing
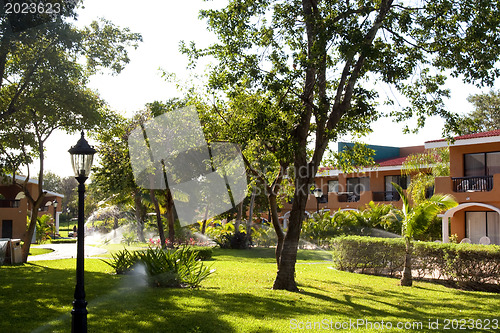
[472,184]
[348,197]
[386,196]
[9,203]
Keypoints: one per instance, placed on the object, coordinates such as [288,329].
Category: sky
[163,24]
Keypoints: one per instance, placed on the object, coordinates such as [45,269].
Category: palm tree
[416,220]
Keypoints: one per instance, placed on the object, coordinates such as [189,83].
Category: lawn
[37,297]
[35,251]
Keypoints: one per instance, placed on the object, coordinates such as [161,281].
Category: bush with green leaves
[64,240]
[264,236]
[179,268]
[469,266]
[44,229]
[374,219]
[201,252]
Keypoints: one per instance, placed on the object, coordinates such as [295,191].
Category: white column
[446,234]
[57,222]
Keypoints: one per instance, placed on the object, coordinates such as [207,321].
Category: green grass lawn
[34,251]
[37,297]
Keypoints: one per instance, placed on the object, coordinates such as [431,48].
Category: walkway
[65,251]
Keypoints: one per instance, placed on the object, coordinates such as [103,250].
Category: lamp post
[82,155]
[318,193]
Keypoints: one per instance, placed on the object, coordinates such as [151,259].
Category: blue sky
[163,25]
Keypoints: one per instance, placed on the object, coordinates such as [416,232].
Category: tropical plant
[44,229]
[423,169]
[416,219]
[179,268]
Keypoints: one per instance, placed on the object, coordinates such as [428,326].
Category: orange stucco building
[474,182]
[353,191]
[14,208]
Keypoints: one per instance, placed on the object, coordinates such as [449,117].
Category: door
[6,228]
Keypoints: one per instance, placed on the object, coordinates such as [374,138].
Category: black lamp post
[318,193]
[82,155]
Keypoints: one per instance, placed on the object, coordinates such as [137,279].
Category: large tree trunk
[139,215]
[159,222]
[35,204]
[171,218]
[204,224]
[250,218]
[285,278]
[239,215]
[273,205]
[406,278]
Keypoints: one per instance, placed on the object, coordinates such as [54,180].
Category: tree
[486,114]
[324,58]
[43,88]
[113,176]
[52,182]
[69,189]
[423,169]
[416,219]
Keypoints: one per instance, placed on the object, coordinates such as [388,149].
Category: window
[358,185]
[333,186]
[493,163]
[481,164]
[402,181]
[479,224]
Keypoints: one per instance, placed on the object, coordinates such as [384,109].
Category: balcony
[348,197]
[9,203]
[472,184]
[386,196]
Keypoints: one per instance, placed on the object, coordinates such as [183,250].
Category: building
[15,208]
[474,181]
[353,191]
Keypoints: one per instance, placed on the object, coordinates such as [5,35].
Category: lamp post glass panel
[82,155]
[318,193]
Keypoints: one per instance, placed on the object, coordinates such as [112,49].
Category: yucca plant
[180,268]
[123,261]
[416,220]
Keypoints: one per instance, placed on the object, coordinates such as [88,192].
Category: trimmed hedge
[63,240]
[202,252]
[468,266]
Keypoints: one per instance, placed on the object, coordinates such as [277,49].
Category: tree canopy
[45,65]
[321,62]
[486,113]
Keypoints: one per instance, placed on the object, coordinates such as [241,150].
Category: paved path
[65,251]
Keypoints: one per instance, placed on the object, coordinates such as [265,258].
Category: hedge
[63,240]
[468,266]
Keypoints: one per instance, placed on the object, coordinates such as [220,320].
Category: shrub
[265,236]
[123,261]
[373,220]
[238,241]
[64,240]
[129,237]
[368,254]
[179,268]
[465,265]
[202,252]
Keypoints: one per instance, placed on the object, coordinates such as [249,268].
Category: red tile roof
[382,163]
[472,136]
[392,162]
